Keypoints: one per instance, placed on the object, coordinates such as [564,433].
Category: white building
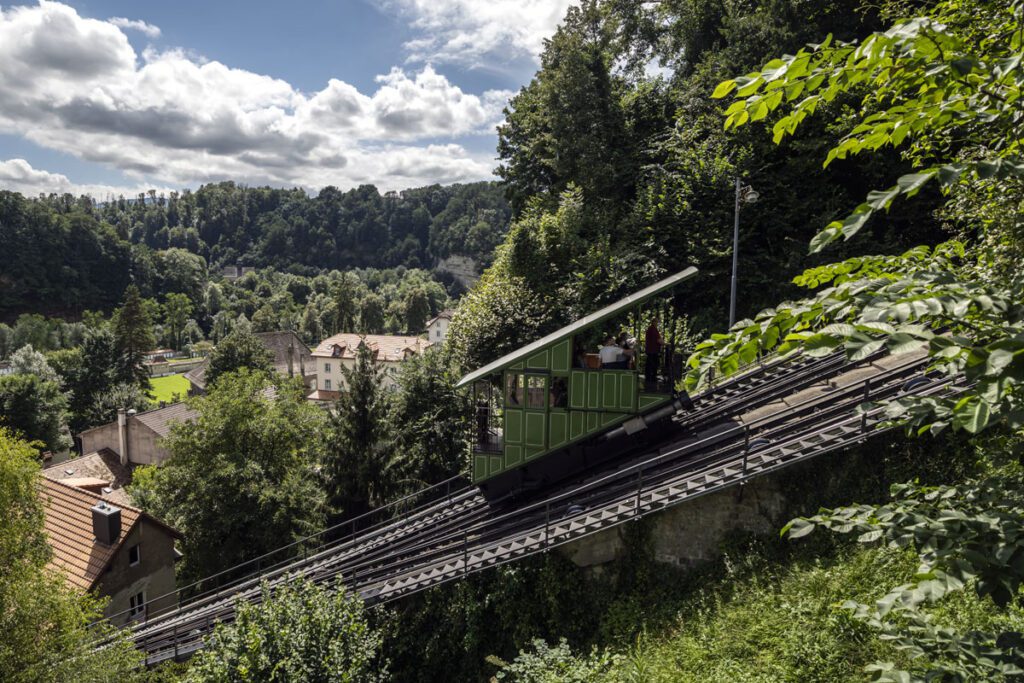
[339,351]
[437,328]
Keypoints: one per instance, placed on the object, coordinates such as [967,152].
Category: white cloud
[136,25]
[77,85]
[467,31]
[17,175]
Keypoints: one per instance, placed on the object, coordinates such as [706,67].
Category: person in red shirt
[653,344]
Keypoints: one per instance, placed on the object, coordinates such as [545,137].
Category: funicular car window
[514,390]
[536,391]
[559,394]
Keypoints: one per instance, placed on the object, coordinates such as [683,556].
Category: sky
[112,97]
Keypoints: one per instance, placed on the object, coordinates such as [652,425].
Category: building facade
[338,352]
[437,328]
[136,437]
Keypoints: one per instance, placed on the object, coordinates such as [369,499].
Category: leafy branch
[970,535]
[923,80]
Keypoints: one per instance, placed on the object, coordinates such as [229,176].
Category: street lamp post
[747,194]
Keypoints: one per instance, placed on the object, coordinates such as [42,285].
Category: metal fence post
[639,489]
[867,397]
[547,524]
[746,451]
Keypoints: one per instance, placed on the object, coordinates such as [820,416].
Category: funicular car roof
[594,318]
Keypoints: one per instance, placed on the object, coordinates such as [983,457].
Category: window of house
[327,385]
[137,605]
[134,555]
[438,335]
[327,367]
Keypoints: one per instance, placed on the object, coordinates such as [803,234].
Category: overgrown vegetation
[298,633]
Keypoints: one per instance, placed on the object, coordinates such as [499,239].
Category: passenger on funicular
[482,421]
[613,356]
[627,345]
[653,345]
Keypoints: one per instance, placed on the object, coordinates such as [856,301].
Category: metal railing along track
[405,559]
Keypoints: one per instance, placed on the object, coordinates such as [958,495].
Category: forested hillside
[617,176]
[64,254]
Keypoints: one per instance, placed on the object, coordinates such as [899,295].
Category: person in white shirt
[610,354]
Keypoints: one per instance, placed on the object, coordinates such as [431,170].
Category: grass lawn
[164,388]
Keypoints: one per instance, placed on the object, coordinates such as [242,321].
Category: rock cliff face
[692,533]
[465,269]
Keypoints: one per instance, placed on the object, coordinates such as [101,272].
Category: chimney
[106,523]
[122,435]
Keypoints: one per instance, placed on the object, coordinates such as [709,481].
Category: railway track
[768,417]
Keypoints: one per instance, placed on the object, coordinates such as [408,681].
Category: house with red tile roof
[339,351]
[110,548]
[100,472]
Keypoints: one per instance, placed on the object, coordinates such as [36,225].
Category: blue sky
[109,96]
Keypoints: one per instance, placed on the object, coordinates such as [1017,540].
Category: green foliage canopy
[298,633]
[240,479]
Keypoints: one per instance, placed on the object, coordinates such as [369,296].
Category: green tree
[371,314]
[28,361]
[240,349]
[417,310]
[133,337]
[345,311]
[177,309]
[435,419]
[299,632]
[35,409]
[540,143]
[310,326]
[359,468]
[181,272]
[88,373]
[944,86]
[248,455]
[265,319]
[46,629]
[119,396]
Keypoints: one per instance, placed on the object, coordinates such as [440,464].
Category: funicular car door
[535,416]
[515,399]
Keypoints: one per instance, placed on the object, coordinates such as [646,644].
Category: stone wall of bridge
[692,533]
